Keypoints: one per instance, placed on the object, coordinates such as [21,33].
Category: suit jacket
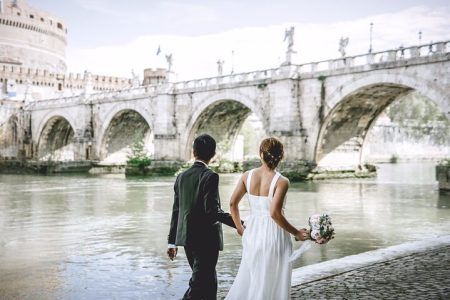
[196,213]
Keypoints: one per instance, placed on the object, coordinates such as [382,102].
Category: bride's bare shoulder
[245,175]
[284,180]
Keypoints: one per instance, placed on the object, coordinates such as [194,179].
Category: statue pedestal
[289,54]
[287,70]
[171,76]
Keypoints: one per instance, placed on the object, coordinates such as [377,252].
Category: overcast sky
[113,37]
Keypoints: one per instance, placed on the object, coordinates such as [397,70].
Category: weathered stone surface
[157,168]
[44,167]
[365,171]
[294,170]
[443,176]
[423,275]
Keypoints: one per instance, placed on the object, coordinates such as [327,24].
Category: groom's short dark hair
[204,147]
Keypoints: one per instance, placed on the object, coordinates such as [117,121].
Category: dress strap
[249,178]
[273,183]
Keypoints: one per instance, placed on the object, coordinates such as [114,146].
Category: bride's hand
[302,235]
[240,230]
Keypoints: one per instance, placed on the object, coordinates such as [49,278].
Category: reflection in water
[91,238]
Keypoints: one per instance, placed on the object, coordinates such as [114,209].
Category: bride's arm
[276,208]
[238,193]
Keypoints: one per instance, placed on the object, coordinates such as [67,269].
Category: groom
[196,220]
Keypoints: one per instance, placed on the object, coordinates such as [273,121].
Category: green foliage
[138,156]
[250,142]
[183,168]
[418,108]
[224,146]
[226,166]
[421,117]
[394,159]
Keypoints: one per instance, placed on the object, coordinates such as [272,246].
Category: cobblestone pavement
[424,275]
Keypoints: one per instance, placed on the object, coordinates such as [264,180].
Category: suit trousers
[203,282]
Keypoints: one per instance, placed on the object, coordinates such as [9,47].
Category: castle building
[33,57]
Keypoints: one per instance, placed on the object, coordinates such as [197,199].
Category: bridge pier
[167,147]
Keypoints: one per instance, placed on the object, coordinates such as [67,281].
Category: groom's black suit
[196,225]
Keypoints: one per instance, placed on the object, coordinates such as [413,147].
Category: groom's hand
[172,253]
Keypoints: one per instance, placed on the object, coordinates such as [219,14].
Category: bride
[265,271]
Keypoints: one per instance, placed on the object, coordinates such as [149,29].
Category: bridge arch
[222,116]
[354,106]
[56,139]
[60,113]
[122,128]
[433,89]
[9,137]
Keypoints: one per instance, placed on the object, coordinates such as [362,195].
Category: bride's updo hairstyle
[272,152]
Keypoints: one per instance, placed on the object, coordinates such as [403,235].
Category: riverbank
[44,167]
[411,270]
[417,270]
[300,170]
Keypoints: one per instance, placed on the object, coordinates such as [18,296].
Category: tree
[138,156]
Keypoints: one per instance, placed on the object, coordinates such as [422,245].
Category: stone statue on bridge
[343,43]
[169,60]
[134,79]
[28,90]
[289,36]
[88,83]
[220,67]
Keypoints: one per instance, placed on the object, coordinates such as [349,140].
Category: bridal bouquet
[321,228]
[321,231]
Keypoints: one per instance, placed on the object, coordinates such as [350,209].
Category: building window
[42,20]
[59,86]
[31,16]
[60,26]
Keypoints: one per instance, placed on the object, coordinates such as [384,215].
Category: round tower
[31,38]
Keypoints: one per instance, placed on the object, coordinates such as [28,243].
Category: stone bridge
[314,108]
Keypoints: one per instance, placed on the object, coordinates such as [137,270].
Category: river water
[82,237]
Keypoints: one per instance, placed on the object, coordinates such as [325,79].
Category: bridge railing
[294,71]
[54,102]
[226,79]
[401,53]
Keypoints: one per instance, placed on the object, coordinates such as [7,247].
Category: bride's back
[260,182]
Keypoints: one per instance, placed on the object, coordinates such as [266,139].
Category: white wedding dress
[265,270]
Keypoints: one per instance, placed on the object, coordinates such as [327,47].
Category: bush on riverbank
[394,159]
[445,162]
[138,156]
[219,166]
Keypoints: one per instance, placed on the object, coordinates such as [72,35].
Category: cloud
[257,48]
[161,13]
[100,6]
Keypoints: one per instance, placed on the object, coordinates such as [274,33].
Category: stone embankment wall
[443,176]
[414,142]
